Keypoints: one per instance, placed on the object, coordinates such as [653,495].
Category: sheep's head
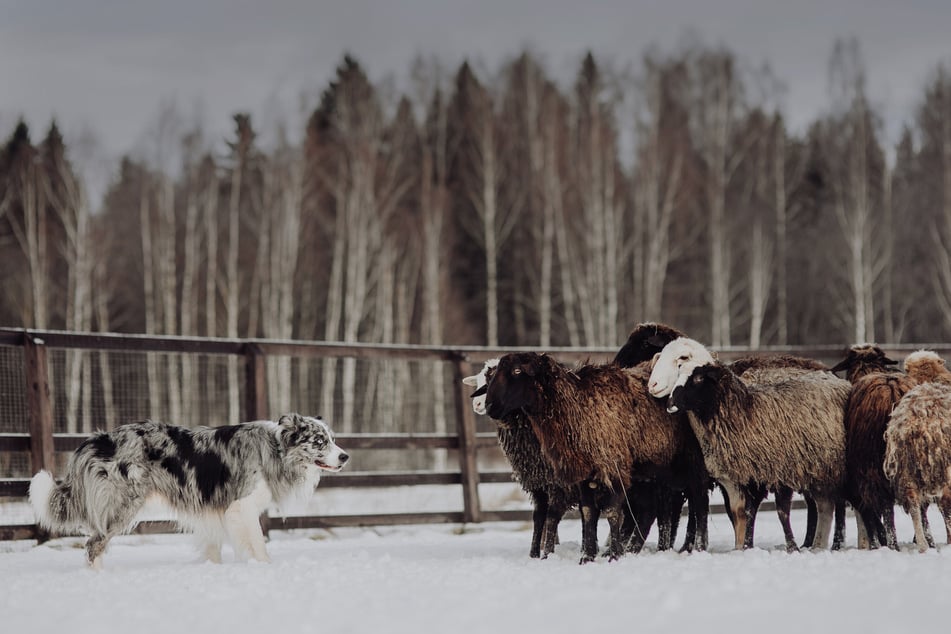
[862,359]
[696,391]
[515,385]
[644,342]
[925,366]
[678,358]
[480,381]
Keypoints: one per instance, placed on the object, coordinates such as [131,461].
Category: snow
[476,578]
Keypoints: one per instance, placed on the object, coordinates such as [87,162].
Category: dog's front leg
[243,526]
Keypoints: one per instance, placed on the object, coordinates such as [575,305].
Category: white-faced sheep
[676,361]
[918,454]
[875,392]
[786,436]
[600,431]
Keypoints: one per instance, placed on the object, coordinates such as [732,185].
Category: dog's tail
[51,503]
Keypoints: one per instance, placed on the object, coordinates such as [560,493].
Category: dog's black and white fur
[218,480]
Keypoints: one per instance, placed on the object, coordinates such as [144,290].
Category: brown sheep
[925,366]
[875,392]
[918,454]
[600,431]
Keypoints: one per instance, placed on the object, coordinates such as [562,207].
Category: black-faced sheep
[918,454]
[644,342]
[787,436]
[875,392]
[601,432]
[676,361]
[550,502]
[862,359]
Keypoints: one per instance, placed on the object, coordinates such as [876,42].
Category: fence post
[466,429]
[38,402]
[255,393]
[255,400]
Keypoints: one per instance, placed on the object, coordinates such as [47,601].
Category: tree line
[502,208]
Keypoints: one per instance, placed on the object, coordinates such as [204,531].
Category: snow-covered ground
[476,579]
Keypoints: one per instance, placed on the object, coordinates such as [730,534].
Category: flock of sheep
[665,422]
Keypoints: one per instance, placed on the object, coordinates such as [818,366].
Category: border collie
[218,480]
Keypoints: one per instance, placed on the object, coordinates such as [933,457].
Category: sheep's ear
[482,390]
[657,341]
[653,361]
[888,361]
[844,364]
[471,381]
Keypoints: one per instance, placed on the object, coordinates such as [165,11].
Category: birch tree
[716,108]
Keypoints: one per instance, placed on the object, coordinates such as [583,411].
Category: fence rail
[462,437]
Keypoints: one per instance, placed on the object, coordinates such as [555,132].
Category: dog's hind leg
[116,523]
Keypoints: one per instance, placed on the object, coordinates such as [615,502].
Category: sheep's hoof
[792,548]
[585,559]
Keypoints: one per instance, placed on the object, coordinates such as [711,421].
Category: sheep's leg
[862,541]
[825,508]
[639,516]
[812,515]
[838,535]
[737,503]
[550,533]
[614,513]
[917,512]
[945,503]
[539,515]
[925,525]
[590,514]
[665,524]
[783,505]
[888,520]
[754,497]
[868,523]
[699,504]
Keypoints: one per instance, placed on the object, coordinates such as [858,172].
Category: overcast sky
[107,65]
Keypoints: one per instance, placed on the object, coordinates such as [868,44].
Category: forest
[499,207]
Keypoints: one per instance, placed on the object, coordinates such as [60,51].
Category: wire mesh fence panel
[13,410]
[98,390]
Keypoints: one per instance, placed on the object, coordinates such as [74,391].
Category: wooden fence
[465,442]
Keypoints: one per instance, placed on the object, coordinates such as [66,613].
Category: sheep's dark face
[696,392]
[644,342]
[864,359]
[514,386]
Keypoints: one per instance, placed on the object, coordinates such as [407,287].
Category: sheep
[918,454]
[924,366]
[550,502]
[600,432]
[677,359]
[875,392]
[786,436]
[646,340]
[862,359]
[520,446]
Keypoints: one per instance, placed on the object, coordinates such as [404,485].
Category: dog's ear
[289,421]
